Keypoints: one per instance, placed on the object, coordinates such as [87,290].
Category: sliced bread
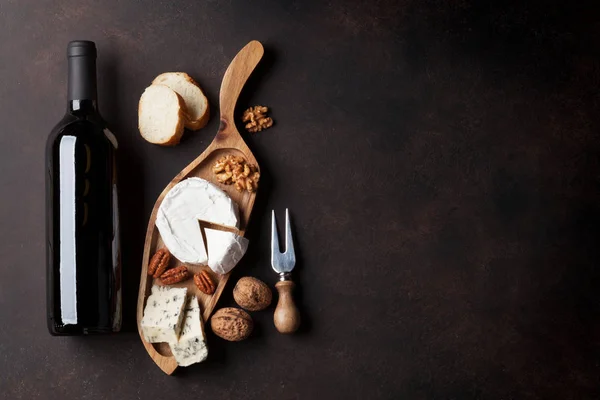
[161,115]
[196,102]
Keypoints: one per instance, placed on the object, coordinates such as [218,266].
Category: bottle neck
[83,106]
[82,92]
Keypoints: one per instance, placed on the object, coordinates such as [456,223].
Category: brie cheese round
[189,201]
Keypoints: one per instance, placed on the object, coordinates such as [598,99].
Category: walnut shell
[231,324]
[252,294]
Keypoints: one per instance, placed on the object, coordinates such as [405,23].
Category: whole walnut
[231,324]
[252,294]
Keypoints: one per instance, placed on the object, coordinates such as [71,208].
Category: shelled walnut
[235,170]
[256,118]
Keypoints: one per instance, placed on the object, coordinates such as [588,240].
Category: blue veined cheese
[190,201]
[191,347]
[163,314]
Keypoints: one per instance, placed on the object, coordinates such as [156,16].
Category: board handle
[287,316]
[236,76]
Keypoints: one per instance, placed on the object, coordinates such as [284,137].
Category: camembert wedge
[225,249]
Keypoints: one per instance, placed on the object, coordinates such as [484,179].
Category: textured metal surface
[282,263]
[441,159]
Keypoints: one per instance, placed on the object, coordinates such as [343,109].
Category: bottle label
[68,271]
[116,260]
[111,137]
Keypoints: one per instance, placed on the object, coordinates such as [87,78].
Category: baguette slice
[161,115]
[196,102]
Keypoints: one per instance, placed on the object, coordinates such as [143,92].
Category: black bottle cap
[81,48]
[81,56]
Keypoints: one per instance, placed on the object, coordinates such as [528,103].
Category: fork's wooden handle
[287,316]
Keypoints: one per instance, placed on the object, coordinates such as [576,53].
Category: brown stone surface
[440,160]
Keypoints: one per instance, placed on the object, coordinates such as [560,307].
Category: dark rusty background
[440,159]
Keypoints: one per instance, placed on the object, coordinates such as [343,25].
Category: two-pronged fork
[286,317]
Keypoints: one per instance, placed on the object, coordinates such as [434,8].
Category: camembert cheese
[190,201]
[225,249]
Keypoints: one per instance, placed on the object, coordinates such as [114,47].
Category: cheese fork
[287,316]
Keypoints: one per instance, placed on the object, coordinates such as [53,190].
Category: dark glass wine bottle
[83,252]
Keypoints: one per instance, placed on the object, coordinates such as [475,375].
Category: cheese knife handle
[287,316]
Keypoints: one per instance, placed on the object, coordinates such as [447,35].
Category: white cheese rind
[191,347]
[163,314]
[225,250]
[189,201]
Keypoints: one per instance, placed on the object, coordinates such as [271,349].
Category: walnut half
[231,170]
[256,119]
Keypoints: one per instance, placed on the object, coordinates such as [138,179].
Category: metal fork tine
[282,263]
[289,241]
[274,239]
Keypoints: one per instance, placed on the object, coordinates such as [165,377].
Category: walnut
[225,177]
[231,324]
[240,184]
[252,294]
[231,170]
[256,118]
[250,185]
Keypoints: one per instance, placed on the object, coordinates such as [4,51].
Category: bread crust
[192,124]
[175,137]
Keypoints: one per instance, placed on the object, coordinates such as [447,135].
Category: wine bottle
[83,253]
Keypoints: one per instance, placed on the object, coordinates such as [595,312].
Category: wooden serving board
[227,141]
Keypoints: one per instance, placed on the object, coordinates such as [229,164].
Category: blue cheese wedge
[190,201]
[191,347]
[225,250]
[163,314]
